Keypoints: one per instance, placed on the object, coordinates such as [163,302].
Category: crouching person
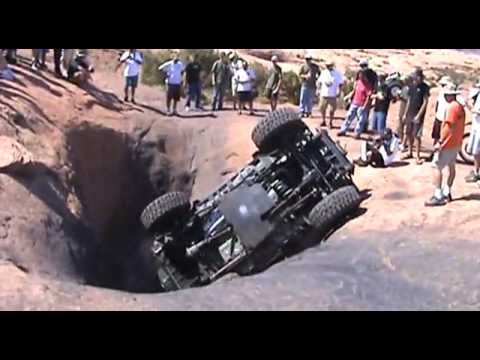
[447,148]
[80,68]
[381,152]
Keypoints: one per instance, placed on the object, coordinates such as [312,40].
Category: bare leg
[418,144]
[126,93]
[133,93]
[451,174]
[332,116]
[476,160]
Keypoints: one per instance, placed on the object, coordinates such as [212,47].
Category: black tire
[394,86]
[463,154]
[277,129]
[334,207]
[165,211]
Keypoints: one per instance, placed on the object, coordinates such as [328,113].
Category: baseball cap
[451,89]
[364,62]
[445,80]
[274,58]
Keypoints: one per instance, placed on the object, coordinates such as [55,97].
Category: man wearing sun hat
[308,76]
[274,81]
[330,83]
[473,147]
[440,109]
[451,139]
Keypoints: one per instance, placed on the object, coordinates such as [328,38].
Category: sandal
[419,161]
[407,157]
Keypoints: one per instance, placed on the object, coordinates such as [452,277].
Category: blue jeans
[194,93]
[379,122]
[218,94]
[306,99]
[358,112]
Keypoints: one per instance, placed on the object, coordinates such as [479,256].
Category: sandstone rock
[13,154]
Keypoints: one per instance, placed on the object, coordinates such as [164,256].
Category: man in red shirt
[361,99]
[451,138]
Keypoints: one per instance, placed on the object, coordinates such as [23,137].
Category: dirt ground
[398,254]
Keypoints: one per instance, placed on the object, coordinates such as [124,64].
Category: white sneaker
[187,109]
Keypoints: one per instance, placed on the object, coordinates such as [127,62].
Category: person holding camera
[133,60]
[174,70]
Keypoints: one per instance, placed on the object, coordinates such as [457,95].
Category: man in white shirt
[174,70]
[133,60]
[473,147]
[330,84]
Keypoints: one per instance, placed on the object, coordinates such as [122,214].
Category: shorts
[414,129]
[173,92]
[244,96]
[328,101]
[131,81]
[445,157]
[436,130]
[473,147]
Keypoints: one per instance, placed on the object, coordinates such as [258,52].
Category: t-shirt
[313,71]
[441,106]
[389,149]
[221,72]
[361,92]
[192,72]
[132,62]
[274,76]
[453,126]
[174,71]
[329,82]
[417,94]
[243,80]
[382,105]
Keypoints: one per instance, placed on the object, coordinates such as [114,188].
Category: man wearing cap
[330,83]
[362,93]
[417,103]
[236,64]
[274,81]
[132,61]
[174,70]
[473,147]
[440,110]
[308,76]
[451,138]
[382,99]
[220,78]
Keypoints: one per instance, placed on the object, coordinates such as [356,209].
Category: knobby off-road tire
[277,129]
[165,211]
[463,154]
[334,207]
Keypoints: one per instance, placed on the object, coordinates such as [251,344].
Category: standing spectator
[132,60]
[308,74]
[403,97]
[274,81]
[193,82]
[67,57]
[38,59]
[5,72]
[11,56]
[236,64]
[440,110]
[243,83]
[372,79]
[220,77]
[174,70]
[361,98]
[473,147]
[450,143]
[415,115]
[382,99]
[57,61]
[330,82]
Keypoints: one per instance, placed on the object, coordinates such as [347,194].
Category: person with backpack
[132,61]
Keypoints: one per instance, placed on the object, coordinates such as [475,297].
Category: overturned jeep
[297,184]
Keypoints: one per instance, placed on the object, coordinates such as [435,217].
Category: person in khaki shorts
[451,138]
[330,85]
